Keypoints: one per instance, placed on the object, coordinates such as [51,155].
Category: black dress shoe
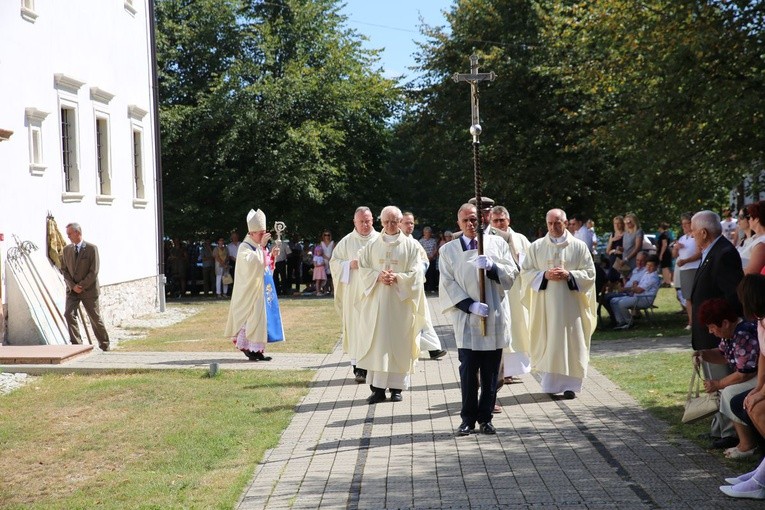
[488,428]
[465,429]
[725,442]
[395,395]
[259,356]
[569,395]
[250,355]
[437,354]
[376,397]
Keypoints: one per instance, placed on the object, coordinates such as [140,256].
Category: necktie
[473,244]
[76,251]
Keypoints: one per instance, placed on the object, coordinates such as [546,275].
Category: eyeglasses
[743,216]
[327,235]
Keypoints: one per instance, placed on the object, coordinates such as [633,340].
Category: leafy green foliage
[269,105]
[599,107]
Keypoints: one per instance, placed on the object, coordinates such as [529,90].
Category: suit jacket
[81,269]
[718,276]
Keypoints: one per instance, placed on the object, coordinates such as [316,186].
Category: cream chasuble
[519,342]
[459,281]
[391,316]
[248,305]
[429,340]
[561,320]
[348,287]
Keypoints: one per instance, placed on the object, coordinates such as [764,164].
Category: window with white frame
[136,114]
[140,192]
[69,149]
[35,119]
[103,151]
[68,110]
[28,10]
[103,161]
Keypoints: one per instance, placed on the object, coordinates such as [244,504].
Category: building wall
[93,55]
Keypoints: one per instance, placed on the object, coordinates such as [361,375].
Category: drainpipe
[158,159]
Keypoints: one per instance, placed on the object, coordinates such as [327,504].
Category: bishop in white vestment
[559,271]
[391,308]
[345,264]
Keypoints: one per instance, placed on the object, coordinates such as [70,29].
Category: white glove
[480,309]
[483,262]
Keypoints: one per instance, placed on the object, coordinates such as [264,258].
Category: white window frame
[35,119]
[136,115]
[68,88]
[103,155]
[102,147]
[28,12]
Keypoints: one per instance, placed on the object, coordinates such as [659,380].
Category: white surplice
[459,281]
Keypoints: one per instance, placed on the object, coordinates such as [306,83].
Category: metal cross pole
[475,130]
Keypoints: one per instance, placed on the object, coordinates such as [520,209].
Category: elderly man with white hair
[391,307]
[717,276]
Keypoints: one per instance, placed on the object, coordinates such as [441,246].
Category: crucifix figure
[473,78]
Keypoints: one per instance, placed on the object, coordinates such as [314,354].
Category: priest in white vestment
[429,340]
[391,309]
[345,264]
[479,352]
[516,360]
[560,273]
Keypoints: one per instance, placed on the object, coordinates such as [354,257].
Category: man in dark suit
[80,269]
[718,276]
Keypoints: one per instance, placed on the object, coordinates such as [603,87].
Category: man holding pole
[479,345]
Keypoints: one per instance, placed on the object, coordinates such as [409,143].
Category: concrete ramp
[41,354]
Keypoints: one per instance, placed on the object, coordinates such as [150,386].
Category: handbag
[699,406]
[227,279]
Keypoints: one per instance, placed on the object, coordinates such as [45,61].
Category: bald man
[559,272]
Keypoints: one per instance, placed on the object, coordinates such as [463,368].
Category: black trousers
[475,364]
[280,277]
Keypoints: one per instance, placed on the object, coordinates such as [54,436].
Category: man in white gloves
[479,351]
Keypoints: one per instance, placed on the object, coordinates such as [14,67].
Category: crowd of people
[517,305]
[194,268]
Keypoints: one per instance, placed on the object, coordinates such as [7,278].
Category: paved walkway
[600,450]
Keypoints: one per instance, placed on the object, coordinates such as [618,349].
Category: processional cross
[473,78]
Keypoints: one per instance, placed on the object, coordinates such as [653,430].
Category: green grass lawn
[310,326]
[161,439]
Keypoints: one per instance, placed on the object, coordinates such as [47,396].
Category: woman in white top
[687,257]
[753,258]
[327,245]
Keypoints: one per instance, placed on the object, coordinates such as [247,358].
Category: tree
[528,161]
[672,91]
[270,105]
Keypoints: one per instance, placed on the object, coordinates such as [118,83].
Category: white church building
[78,142]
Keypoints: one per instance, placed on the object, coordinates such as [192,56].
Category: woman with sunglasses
[753,257]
